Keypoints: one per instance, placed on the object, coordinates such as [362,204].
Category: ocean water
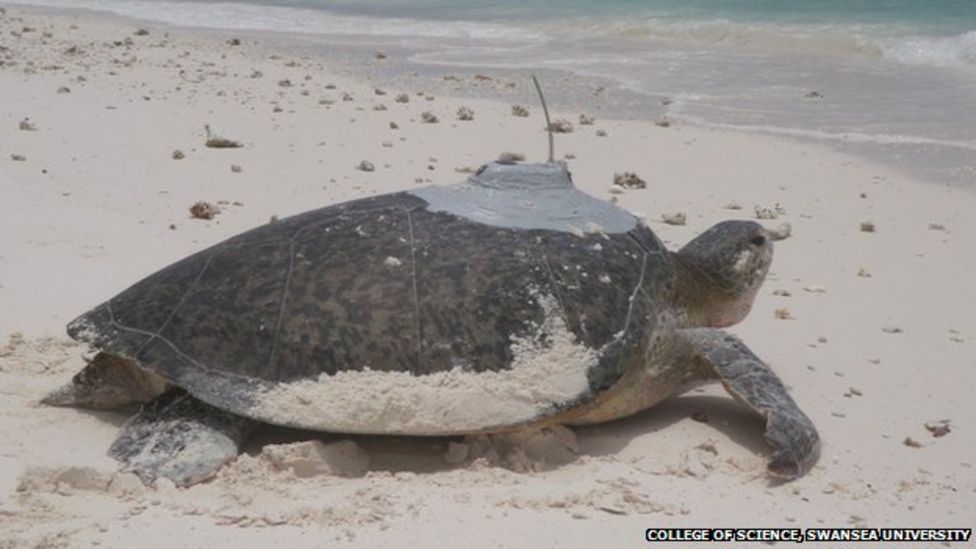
[896,78]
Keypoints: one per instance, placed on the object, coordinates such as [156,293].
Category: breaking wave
[892,42]
[938,51]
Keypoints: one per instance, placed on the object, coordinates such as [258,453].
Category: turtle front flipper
[180,438]
[794,439]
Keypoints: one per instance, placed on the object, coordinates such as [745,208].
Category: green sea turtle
[511,300]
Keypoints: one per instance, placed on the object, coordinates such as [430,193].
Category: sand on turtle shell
[549,367]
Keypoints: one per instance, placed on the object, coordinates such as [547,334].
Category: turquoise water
[897,77]
[922,32]
[934,14]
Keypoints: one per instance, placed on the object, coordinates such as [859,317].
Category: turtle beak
[756,256]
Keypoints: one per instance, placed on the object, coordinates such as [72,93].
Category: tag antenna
[545,110]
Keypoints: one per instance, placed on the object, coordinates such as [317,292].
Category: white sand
[89,211]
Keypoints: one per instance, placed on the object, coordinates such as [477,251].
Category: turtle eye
[758,240]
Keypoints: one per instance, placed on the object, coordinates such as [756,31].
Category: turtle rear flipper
[794,439]
[180,438]
[108,382]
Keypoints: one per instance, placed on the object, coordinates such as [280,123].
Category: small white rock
[465,113]
[509,157]
[782,231]
[767,212]
[678,218]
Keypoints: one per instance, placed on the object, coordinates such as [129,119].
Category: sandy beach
[867,314]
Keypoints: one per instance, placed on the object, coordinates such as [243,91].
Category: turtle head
[720,271]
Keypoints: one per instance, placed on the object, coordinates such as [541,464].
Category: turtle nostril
[758,240]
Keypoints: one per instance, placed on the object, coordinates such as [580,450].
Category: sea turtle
[510,300]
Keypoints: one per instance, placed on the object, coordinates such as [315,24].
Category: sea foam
[939,51]
[256,17]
